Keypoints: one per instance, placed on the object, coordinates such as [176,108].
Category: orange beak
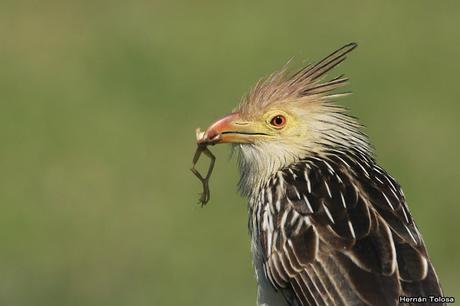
[229,129]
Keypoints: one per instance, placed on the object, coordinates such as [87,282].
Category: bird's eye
[278,121]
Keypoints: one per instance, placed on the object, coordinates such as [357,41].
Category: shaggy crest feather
[306,84]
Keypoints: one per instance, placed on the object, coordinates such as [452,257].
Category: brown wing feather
[341,233]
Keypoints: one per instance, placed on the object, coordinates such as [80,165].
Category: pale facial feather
[311,127]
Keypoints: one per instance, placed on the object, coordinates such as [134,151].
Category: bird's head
[287,118]
[277,123]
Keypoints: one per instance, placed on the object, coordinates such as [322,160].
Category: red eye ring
[278,121]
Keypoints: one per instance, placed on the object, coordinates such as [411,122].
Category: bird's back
[335,229]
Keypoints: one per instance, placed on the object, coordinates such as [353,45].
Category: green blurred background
[99,102]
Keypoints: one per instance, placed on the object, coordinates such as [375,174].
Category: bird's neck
[328,129]
[257,163]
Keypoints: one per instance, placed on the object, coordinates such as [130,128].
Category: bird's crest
[307,82]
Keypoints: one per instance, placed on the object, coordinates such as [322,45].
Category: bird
[327,224]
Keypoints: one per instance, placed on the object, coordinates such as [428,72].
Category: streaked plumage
[328,225]
[336,230]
